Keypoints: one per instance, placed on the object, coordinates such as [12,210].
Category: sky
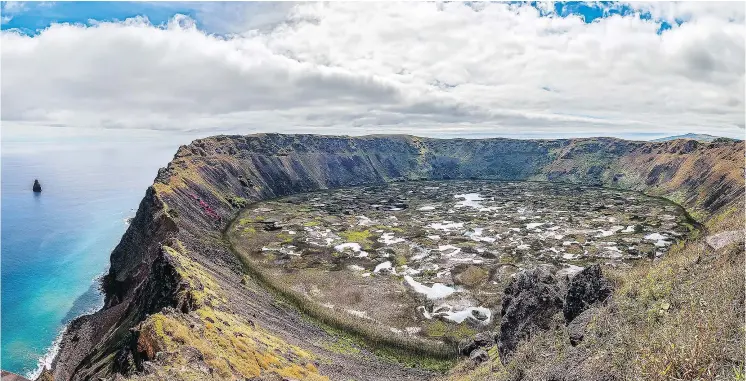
[443,69]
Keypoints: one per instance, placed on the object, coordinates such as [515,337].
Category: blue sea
[57,243]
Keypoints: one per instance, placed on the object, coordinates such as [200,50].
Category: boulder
[37,187]
[578,326]
[586,288]
[531,299]
[479,356]
[46,375]
[723,239]
[480,340]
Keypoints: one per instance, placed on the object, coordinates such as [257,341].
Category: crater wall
[195,197]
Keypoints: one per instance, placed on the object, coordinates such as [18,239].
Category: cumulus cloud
[422,68]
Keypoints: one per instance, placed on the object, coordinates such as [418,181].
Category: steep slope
[178,304]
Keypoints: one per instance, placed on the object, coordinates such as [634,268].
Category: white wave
[45,361]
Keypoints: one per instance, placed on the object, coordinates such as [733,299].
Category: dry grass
[231,347]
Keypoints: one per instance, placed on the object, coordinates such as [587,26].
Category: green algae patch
[363,237]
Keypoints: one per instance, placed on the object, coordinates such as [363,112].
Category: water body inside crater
[430,259]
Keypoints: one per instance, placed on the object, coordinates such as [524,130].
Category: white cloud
[10,8]
[423,68]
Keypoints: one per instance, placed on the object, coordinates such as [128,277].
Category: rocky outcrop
[195,197]
[577,327]
[530,301]
[36,187]
[480,340]
[533,297]
[586,288]
[720,240]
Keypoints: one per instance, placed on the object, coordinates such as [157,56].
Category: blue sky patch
[33,17]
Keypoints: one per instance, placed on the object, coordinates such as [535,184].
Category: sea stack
[37,186]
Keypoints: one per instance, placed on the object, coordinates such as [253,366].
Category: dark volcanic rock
[479,356]
[577,327]
[37,187]
[531,299]
[480,340]
[585,289]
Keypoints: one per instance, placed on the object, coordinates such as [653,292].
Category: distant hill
[700,137]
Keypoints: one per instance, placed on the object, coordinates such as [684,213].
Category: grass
[231,346]
[363,237]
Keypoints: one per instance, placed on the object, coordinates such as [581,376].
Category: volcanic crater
[428,260]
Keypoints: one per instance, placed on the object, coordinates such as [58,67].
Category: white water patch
[389,239]
[424,253]
[360,314]
[449,250]
[570,270]
[289,250]
[534,225]
[446,225]
[661,240]
[610,232]
[471,200]
[413,330]
[382,266]
[437,291]
[460,316]
[476,235]
[613,252]
[364,221]
[354,246]
[426,208]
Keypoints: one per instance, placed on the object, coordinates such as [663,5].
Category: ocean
[56,244]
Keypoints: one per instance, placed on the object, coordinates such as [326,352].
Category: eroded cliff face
[173,272]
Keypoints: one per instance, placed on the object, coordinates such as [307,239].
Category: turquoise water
[57,243]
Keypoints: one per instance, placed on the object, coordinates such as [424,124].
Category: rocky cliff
[178,304]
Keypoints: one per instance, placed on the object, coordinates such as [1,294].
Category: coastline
[50,353]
